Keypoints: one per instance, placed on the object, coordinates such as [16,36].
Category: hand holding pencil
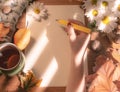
[75,25]
[78,41]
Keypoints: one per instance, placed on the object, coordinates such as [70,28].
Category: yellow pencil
[75,26]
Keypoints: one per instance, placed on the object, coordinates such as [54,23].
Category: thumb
[71,33]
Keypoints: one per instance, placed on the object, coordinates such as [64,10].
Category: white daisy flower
[116,8]
[107,23]
[3,16]
[37,11]
[105,5]
[16,16]
[8,2]
[18,10]
[89,3]
[16,2]
[13,18]
[23,3]
[92,14]
[10,19]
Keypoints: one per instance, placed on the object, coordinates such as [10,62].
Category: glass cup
[12,60]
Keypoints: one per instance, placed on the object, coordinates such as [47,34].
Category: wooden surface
[50,89]
[60,2]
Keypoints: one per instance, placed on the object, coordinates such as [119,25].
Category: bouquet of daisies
[105,13]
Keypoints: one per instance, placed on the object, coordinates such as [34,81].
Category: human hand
[78,40]
[9,84]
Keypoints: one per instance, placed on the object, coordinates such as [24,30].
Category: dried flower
[28,81]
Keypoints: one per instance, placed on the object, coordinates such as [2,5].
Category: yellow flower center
[119,7]
[106,20]
[94,12]
[104,3]
[37,10]
[94,2]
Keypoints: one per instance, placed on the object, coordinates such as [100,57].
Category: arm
[78,43]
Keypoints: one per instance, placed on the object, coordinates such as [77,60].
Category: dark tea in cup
[9,56]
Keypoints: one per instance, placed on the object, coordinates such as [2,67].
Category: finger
[2,82]
[12,84]
[76,22]
[71,32]
[86,41]
[83,34]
